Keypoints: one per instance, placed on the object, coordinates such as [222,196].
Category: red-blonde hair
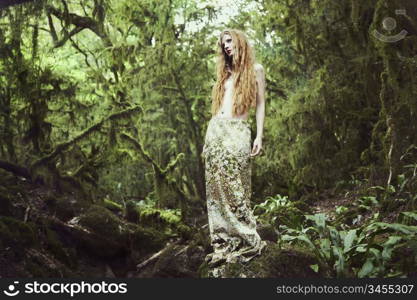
[244,81]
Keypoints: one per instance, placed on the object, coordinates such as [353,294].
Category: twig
[154,257]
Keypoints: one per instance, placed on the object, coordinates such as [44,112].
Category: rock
[65,207]
[16,234]
[109,272]
[108,236]
[267,232]
[175,261]
[5,205]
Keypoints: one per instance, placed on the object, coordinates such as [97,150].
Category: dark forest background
[103,110]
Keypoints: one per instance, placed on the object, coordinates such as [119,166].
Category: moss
[41,265]
[113,206]
[132,213]
[267,232]
[152,216]
[179,261]
[146,240]
[101,246]
[111,236]
[5,205]
[66,208]
[166,220]
[203,270]
[101,221]
[185,231]
[107,233]
[16,234]
[40,269]
[171,216]
[57,249]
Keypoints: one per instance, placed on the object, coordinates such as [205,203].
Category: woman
[227,151]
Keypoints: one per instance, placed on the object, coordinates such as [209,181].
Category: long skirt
[232,224]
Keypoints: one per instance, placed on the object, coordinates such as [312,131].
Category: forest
[104,105]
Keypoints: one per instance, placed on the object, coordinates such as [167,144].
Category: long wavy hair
[241,63]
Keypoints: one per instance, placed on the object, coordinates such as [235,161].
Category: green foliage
[364,251]
[279,210]
[167,216]
[340,112]
[112,205]
[168,221]
[322,124]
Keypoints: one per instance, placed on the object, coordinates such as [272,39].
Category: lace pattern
[232,225]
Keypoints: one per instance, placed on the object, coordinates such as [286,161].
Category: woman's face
[227,44]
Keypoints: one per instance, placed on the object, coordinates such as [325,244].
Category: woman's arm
[260,109]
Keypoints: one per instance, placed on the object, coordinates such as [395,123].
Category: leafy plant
[352,252]
[279,210]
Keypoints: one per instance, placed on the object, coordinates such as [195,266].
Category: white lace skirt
[228,189]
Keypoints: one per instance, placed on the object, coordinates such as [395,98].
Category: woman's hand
[257,146]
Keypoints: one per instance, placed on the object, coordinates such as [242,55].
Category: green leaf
[287,237]
[397,227]
[361,248]
[335,236]
[366,269]
[315,268]
[389,246]
[391,188]
[319,219]
[410,214]
[348,240]
[376,253]
[325,248]
[305,239]
[340,263]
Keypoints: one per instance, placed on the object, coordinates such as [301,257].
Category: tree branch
[63,146]
[81,22]
[67,36]
[15,169]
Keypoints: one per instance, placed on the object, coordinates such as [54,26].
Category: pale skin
[260,110]
[260,98]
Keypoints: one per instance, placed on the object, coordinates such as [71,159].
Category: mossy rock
[39,263]
[106,236]
[131,213]
[5,205]
[58,250]
[66,208]
[111,236]
[274,262]
[102,221]
[176,261]
[180,262]
[145,240]
[185,231]
[150,216]
[168,221]
[113,206]
[16,234]
[267,232]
